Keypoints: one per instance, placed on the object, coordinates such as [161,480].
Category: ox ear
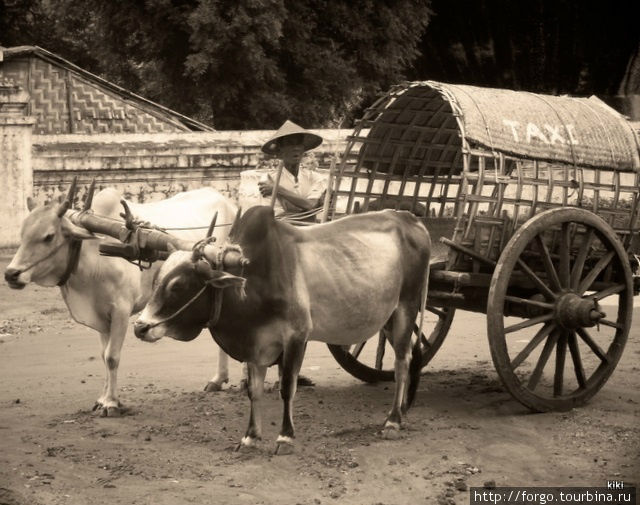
[222,280]
[73,231]
[219,278]
[31,203]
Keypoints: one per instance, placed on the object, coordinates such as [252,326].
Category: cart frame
[533,205]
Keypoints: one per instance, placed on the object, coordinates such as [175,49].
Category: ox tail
[415,366]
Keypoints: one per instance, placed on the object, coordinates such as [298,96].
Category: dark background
[251,64]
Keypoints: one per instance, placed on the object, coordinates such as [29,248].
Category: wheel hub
[572,311]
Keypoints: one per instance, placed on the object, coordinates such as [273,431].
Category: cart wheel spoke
[534,378]
[432,341]
[423,339]
[565,253]
[561,353]
[533,343]
[611,324]
[583,252]
[548,263]
[437,312]
[577,360]
[597,350]
[613,290]
[357,349]
[530,302]
[529,322]
[597,269]
[382,340]
[544,289]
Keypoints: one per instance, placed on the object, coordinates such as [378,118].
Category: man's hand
[266,186]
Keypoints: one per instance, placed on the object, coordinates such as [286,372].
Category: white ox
[104,291]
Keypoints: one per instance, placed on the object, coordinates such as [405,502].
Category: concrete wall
[149,167]
[15,161]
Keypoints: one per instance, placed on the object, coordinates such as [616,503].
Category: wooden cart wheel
[372,360]
[566,275]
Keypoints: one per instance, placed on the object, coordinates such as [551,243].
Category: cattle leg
[401,325]
[104,340]
[222,374]
[291,364]
[108,403]
[255,391]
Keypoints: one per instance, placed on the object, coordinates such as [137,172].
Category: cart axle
[572,311]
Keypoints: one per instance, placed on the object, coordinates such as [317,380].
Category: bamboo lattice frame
[438,151]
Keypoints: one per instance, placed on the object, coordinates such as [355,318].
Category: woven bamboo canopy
[419,128]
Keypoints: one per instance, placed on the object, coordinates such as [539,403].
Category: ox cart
[532,206]
[532,203]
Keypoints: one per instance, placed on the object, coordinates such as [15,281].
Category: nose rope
[53,251]
[74,256]
[216,308]
[180,310]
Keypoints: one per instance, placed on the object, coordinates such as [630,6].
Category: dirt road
[175,445]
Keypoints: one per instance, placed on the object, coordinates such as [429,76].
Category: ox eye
[48,238]
[175,285]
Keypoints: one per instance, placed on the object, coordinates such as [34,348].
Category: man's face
[291,150]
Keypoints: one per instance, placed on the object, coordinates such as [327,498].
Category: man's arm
[297,200]
[266,188]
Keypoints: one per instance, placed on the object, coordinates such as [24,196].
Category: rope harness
[75,246]
[147,224]
[216,307]
[184,307]
[46,257]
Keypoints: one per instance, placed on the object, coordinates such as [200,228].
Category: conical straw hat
[309,140]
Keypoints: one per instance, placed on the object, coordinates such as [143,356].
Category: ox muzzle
[141,329]
[12,276]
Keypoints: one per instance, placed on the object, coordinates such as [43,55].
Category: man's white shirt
[308,184]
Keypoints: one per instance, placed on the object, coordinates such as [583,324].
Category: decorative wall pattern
[56,90]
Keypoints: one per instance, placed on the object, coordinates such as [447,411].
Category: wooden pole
[276,183]
[328,192]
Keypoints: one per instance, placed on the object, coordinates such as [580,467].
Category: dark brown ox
[339,283]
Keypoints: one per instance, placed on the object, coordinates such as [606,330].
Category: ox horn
[68,201]
[89,199]
[212,225]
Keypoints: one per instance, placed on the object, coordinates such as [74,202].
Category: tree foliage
[240,63]
[253,63]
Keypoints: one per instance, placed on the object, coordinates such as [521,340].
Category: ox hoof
[112,412]
[391,431]
[284,446]
[391,434]
[247,444]
[212,387]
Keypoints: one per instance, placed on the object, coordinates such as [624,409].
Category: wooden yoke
[140,243]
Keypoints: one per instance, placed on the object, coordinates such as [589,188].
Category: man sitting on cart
[299,191]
